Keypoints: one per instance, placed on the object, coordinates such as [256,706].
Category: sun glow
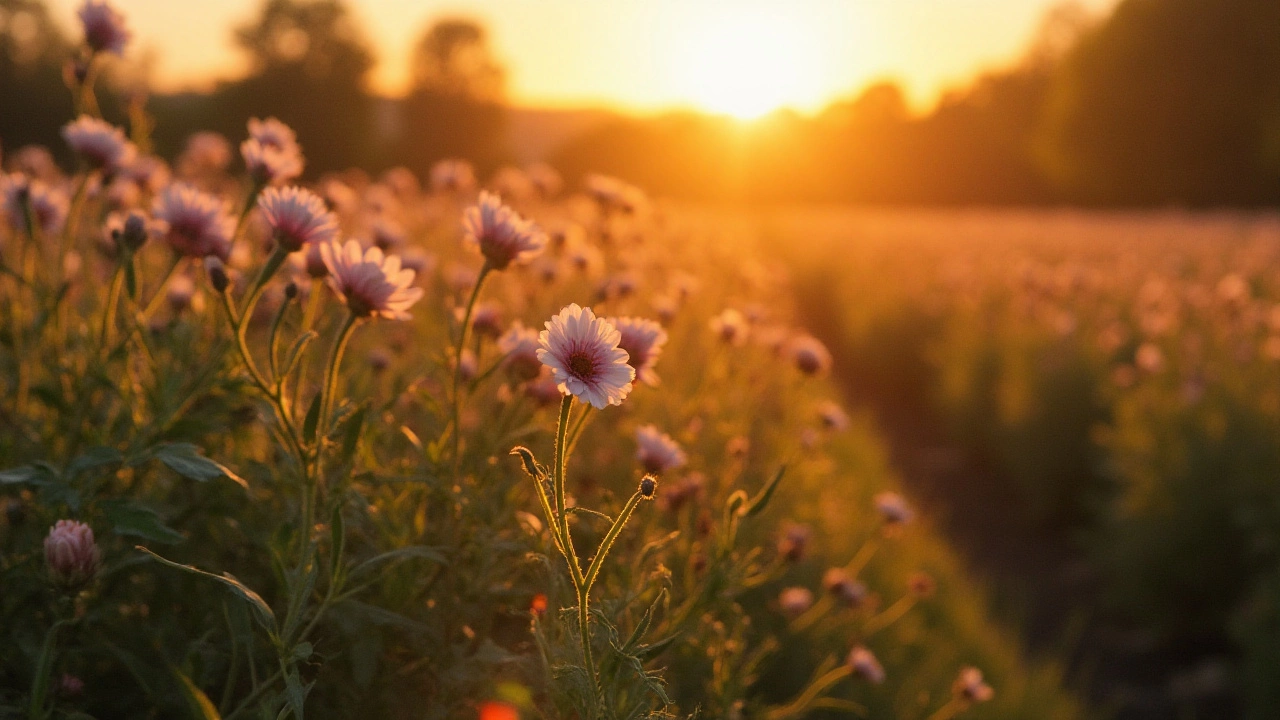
[750,64]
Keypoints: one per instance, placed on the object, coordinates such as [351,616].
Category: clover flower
[866,666]
[104,29]
[500,234]
[370,282]
[198,223]
[656,451]
[583,354]
[271,153]
[297,217]
[71,554]
[48,205]
[101,145]
[643,340]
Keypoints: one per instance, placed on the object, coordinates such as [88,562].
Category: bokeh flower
[198,223]
[48,205]
[104,29]
[500,234]
[970,687]
[643,340]
[101,145]
[866,666]
[809,355]
[520,346]
[583,354]
[297,217]
[656,451]
[369,282]
[271,153]
[893,508]
[795,600]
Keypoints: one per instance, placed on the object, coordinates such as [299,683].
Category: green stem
[607,544]
[113,305]
[158,295]
[457,367]
[562,518]
[329,389]
[948,711]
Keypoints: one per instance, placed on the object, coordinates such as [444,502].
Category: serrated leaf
[131,519]
[261,609]
[186,460]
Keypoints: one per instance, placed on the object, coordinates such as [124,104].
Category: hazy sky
[739,56]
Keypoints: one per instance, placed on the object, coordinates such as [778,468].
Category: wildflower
[180,293]
[101,145]
[795,600]
[810,355]
[865,665]
[486,320]
[198,223]
[271,153]
[794,542]
[538,606]
[687,490]
[843,587]
[520,345]
[656,451]
[217,273]
[970,687]
[544,389]
[544,179]
[893,508]
[205,153]
[70,686]
[48,205]
[643,340]
[386,234]
[648,486]
[730,326]
[71,554]
[297,217]
[833,416]
[104,29]
[738,447]
[1149,358]
[500,234]
[583,354]
[452,175]
[368,281]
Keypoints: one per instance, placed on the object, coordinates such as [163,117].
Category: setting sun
[749,65]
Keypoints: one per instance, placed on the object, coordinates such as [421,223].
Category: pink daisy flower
[104,29]
[370,282]
[198,223]
[297,217]
[643,340]
[48,205]
[500,234]
[583,354]
[520,345]
[656,451]
[271,154]
[100,144]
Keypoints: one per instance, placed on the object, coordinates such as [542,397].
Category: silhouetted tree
[1170,101]
[36,102]
[455,106]
[308,67]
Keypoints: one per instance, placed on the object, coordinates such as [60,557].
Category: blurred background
[1040,239]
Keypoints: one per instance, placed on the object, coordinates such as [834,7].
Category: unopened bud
[134,233]
[217,274]
[648,486]
[291,290]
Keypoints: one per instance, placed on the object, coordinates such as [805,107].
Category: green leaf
[132,519]
[404,553]
[351,434]
[186,460]
[312,420]
[94,457]
[27,475]
[761,500]
[44,670]
[261,609]
[295,692]
[198,704]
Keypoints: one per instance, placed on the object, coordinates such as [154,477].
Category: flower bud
[291,290]
[134,232]
[648,486]
[71,554]
[217,274]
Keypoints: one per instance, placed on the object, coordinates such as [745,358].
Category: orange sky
[743,57]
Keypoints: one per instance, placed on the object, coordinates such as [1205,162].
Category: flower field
[365,447]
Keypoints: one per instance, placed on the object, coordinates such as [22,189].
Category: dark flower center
[581,365]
